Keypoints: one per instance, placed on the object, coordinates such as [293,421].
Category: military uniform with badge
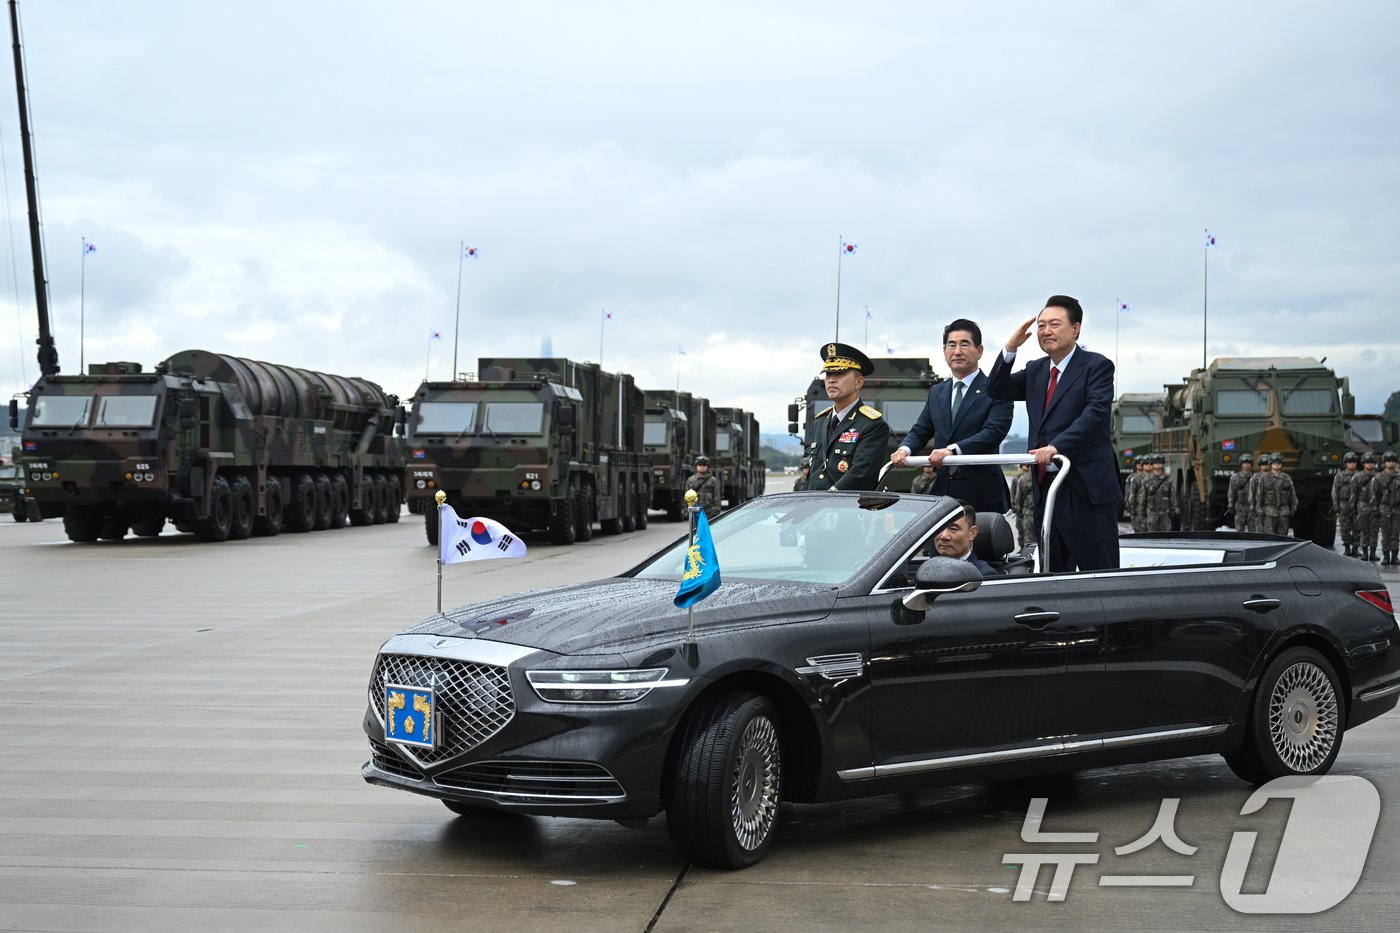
[1344,504]
[707,488]
[848,446]
[1385,499]
[1238,495]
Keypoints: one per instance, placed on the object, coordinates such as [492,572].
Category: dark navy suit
[979,428]
[987,569]
[1077,424]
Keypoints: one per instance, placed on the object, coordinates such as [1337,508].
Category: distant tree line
[776,460]
[1392,407]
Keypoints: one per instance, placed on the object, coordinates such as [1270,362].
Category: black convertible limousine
[836,660]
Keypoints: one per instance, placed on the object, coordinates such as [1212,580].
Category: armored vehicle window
[1241,402]
[65,410]
[513,417]
[722,443]
[1138,424]
[1310,402]
[126,411]
[446,417]
[654,434]
[901,414]
[1368,432]
[9,471]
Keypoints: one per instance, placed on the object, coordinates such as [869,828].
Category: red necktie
[1049,394]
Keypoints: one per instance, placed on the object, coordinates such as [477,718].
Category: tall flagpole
[602,322]
[82,311]
[840,251]
[1117,323]
[428,357]
[457,328]
[1205,294]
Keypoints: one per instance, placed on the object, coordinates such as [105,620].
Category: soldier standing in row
[706,486]
[1365,515]
[923,483]
[1238,498]
[1385,501]
[1275,500]
[1132,491]
[1344,503]
[1159,498]
[1023,504]
[800,483]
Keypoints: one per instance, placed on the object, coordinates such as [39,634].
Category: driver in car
[955,541]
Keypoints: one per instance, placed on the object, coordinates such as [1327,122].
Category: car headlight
[599,686]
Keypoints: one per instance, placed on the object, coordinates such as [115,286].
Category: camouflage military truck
[898,389]
[673,437]
[1137,416]
[222,446]
[734,460]
[14,496]
[758,468]
[1290,405]
[1372,433]
[536,444]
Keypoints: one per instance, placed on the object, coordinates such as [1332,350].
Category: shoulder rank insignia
[823,414]
[869,412]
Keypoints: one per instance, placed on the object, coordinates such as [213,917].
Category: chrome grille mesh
[385,759]
[559,780]
[473,700]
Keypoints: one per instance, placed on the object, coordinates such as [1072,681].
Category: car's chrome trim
[562,798]
[1046,750]
[1378,692]
[1134,572]
[835,666]
[474,650]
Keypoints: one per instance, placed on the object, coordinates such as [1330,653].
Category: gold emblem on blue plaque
[410,716]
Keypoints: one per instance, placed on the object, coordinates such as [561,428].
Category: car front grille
[385,759]
[473,700]
[553,780]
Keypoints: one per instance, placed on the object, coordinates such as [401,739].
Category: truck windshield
[722,442]
[513,417]
[1368,432]
[1309,402]
[654,434]
[1241,402]
[446,417]
[126,411]
[901,413]
[1138,424]
[61,410]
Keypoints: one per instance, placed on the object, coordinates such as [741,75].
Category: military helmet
[1246,458]
[702,459]
[806,463]
[1368,457]
[1350,457]
[1388,456]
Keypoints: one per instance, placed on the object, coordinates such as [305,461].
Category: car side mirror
[14,414]
[939,576]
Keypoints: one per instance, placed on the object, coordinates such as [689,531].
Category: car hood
[618,614]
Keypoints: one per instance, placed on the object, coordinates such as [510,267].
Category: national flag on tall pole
[89,247]
[868,314]
[464,539]
[1210,240]
[434,335]
[1124,306]
[701,576]
[471,252]
[848,249]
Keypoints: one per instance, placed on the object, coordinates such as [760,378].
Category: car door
[981,673]
[1180,643]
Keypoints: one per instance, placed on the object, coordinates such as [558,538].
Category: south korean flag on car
[463,539]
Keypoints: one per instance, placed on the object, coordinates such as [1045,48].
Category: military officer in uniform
[1344,503]
[850,441]
[1385,500]
[706,486]
[1238,495]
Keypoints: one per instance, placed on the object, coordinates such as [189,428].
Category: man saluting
[849,440]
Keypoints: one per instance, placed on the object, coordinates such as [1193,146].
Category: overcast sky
[290,182]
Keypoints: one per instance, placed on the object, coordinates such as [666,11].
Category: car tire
[1296,720]
[723,806]
[218,523]
[244,509]
[266,526]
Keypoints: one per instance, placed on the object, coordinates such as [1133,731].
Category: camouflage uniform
[1238,498]
[923,483]
[1132,491]
[1252,494]
[1023,504]
[1275,502]
[1159,502]
[1344,505]
[800,483]
[1385,501]
[708,489]
[1367,526]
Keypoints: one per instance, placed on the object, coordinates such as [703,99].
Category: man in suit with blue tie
[961,418]
[1069,397]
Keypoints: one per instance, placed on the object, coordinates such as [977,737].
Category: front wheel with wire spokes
[1295,720]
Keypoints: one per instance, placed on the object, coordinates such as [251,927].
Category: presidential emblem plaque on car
[410,716]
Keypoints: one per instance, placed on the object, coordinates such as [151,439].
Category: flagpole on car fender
[440,497]
[691,498]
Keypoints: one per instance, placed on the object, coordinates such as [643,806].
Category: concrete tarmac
[181,746]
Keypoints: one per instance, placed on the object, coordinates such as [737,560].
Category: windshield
[446,417]
[513,417]
[1241,402]
[1368,431]
[654,434]
[126,411]
[722,443]
[799,539]
[1309,402]
[64,410]
[9,471]
[1138,424]
[901,414]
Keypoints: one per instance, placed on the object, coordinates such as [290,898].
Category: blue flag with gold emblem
[701,576]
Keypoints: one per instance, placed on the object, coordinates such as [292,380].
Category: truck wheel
[728,783]
[19,515]
[395,500]
[244,509]
[323,501]
[148,527]
[301,505]
[616,526]
[364,515]
[340,500]
[220,519]
[381,500]
[675,506]
[265,526]
[561,526]
[1295,721]
[113,528]
[643,502]
[583,505]
[82,523]
[430,525]
[628,520]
